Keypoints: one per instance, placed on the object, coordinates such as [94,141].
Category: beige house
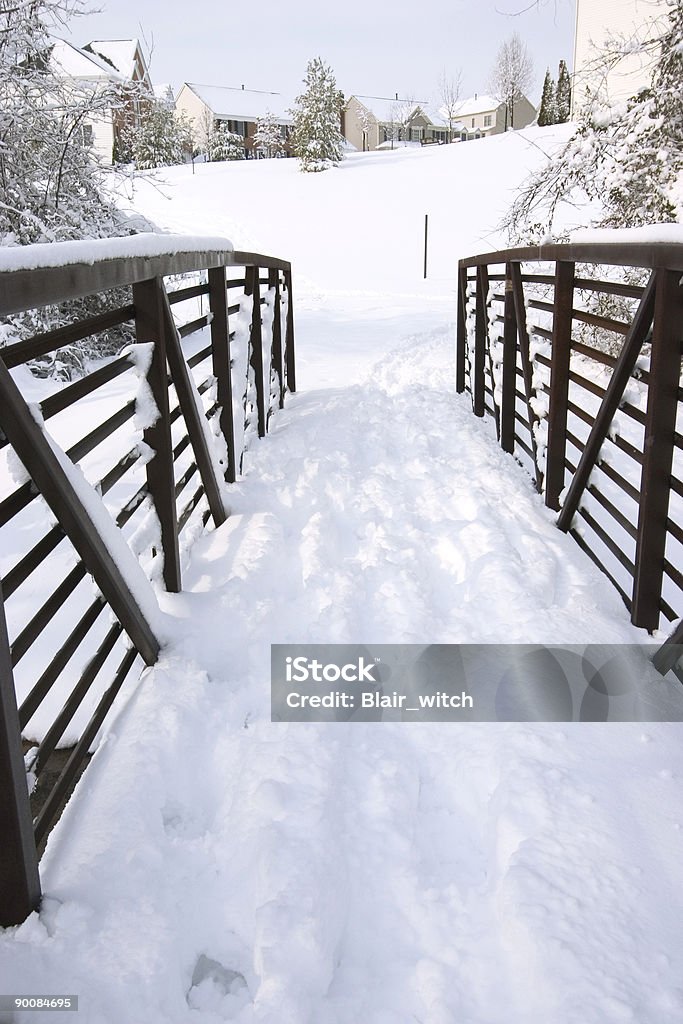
[595,20]
[480,116]
[377,122]
[106,67]
[239,108]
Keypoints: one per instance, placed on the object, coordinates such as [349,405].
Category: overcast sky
[375,47]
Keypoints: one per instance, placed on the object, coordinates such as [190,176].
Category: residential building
[595,21]
[480,116]
[116,72]
[239,108]
[377,122]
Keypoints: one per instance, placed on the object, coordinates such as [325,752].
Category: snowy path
[368,873]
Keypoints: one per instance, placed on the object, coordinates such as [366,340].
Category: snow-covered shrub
[224,144]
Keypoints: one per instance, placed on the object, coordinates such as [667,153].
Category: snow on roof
[68,60]
[119,52]
[475,105]
[237,104]
[92,250]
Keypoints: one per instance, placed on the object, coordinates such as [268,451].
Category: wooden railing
[157,464]
[589,400]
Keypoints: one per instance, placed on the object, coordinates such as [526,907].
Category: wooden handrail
[648,255]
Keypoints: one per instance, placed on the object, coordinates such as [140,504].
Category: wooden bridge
[594,420]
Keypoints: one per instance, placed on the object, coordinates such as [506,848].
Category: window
[86,134]
[488,120]
[473,122]
[463,136]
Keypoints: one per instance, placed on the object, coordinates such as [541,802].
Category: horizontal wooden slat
[42,344]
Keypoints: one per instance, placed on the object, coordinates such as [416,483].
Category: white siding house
[105,66]
[595,20]
[239,108]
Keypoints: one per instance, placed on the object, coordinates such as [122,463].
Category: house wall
[524,113]
[594,19]
[353,132]
[189,103]
[103,136]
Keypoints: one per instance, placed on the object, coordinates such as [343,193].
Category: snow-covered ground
[215,866]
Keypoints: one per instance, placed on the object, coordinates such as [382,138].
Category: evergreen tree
[159,138]
[563,98]
[547,111]
[628,159]
[268,138]
[316,136]
[224,144]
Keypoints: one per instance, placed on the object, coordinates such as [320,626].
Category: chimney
[475,95]
[396,95]
[242,88]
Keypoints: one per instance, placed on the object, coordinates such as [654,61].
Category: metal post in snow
[426,235]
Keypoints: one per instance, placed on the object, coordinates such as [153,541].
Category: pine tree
[159,138]
[547,111]
[267,137]
[563,97]
[224,144]
[316,135]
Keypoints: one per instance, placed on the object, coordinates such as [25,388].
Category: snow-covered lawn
[215,866]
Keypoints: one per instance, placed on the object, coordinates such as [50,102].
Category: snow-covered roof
[68,60]
[119,52]
[238,104]
[476,105]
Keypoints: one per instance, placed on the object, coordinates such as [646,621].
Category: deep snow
[215,866]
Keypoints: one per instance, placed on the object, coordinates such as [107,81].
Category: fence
[175,444]
[575,352]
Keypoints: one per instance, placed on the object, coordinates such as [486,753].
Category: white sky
[375,47]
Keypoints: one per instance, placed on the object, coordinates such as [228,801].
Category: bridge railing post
[159,470]
[290,367]
[19,879]
[559,383]
[658,448]
[509,368]
[461,339]
[221,364]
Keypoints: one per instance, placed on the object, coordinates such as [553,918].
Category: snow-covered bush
[316,136]
[267,137]
[224,144]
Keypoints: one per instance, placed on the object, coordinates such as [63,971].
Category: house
[113,70]
[595,21]
[377,122]
[239,108]
[480,116]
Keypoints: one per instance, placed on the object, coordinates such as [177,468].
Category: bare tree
[450,87]
[512,76]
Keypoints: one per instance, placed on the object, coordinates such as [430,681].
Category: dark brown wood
[461,336]
[221,363]
[608,408]
[617,254]
[256,349]
[194,291]
[559,383]
[193,326]
[193,414]
[19,880]
[33,448]
[671,651]
[507,406]
[480,340]
[274,282]
[662,406]
[149,327]
[290,365]
[523,336]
